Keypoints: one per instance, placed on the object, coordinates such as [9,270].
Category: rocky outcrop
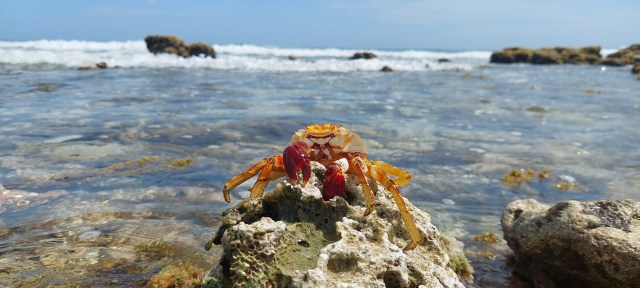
[575,244]
[291,237]
[363,55]
[623,57]
[512,55]
[202,50]
[166,44]
[174,45]
[556,55]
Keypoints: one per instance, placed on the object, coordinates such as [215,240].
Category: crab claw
[296,157]
[334,180]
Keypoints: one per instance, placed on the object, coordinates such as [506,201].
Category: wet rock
[386,69]
[200,49]
[363,55]
[291,237]
[292,57]
[444,60]
[575,244]
[556,55]
[173,45]
[166,44]
[100,65]
[623,56]
[635,69]
[46,87]
[512,55]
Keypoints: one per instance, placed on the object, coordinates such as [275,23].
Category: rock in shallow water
[575,244]
[555,55]
[174,45]
[291,237]
[624,56]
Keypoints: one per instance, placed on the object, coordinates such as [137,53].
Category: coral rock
[575,244]
[290,237]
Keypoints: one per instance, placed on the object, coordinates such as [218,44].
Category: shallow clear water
[110,175]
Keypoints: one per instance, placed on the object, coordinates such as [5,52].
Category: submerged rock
[556,55]
[14,200]
[100,65]
[290,237]
[386,69]
[575,244]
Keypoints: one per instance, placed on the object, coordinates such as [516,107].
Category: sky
[374,24]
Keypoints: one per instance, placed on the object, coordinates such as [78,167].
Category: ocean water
[109,175]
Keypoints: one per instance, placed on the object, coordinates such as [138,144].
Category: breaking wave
[133,54]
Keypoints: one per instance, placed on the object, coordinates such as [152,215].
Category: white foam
[62,139]
[605,52]
[133,54]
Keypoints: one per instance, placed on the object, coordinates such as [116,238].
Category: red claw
[296,157]
[333,182]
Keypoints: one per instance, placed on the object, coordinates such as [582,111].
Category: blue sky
[384,24]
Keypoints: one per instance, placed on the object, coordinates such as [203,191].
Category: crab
[341,151]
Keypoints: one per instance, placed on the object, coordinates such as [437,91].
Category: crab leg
[265,167]
[263,179]
[361,171]
[380,176]
[403,177]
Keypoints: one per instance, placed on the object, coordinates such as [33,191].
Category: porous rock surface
[575,244]
[290,237]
